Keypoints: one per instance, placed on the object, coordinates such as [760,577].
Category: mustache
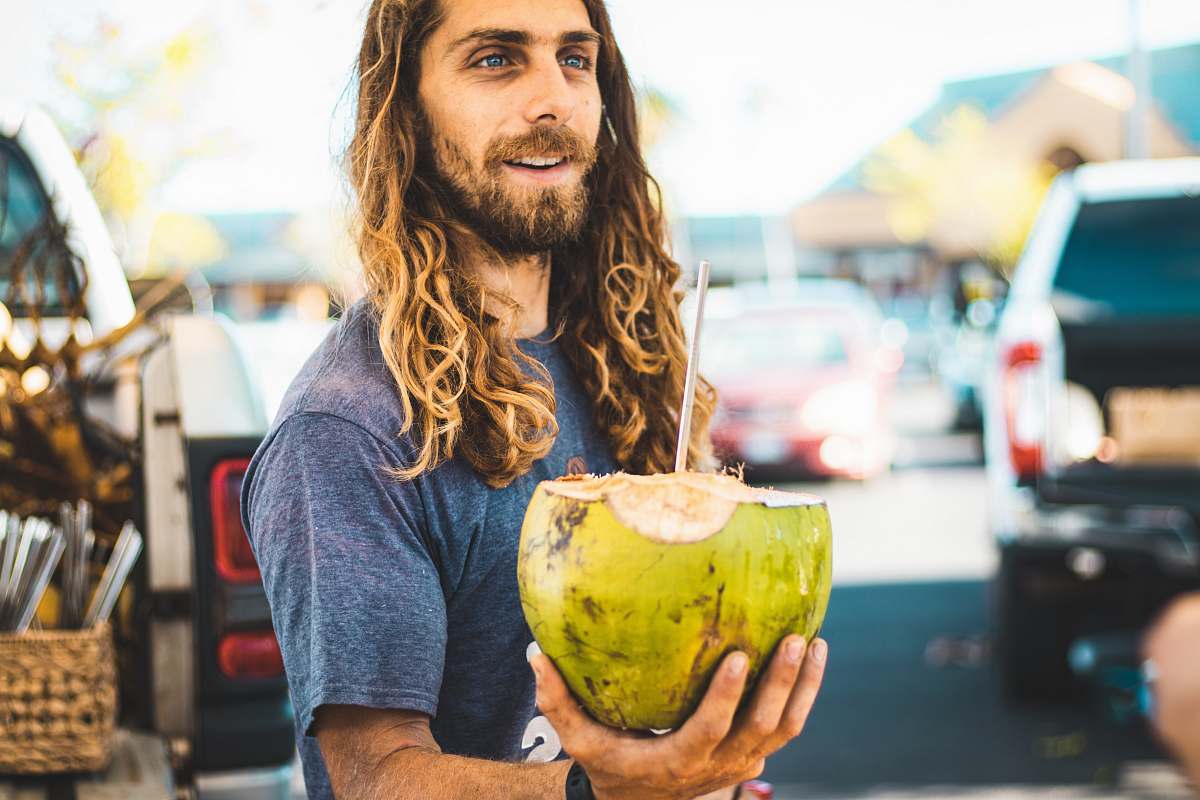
[541,141]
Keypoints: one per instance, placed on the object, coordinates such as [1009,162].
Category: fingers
[760,719]
[580,733]
[777,713]
[1182,616]
[709,726]
[754,772]
[781,703]
[776,687]
[804,696]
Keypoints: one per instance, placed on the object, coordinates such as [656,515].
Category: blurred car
[805,383]
[1092,438]
[962,363]
[910,326]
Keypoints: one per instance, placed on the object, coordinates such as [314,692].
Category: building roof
[1174,78]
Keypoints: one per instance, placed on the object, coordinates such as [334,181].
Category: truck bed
[1092,482]
[1105,356]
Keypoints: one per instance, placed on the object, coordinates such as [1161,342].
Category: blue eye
[577,62]
[494,61]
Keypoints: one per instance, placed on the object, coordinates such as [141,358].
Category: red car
[804,382]
[756,790]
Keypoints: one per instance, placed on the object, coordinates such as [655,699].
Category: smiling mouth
[539,163]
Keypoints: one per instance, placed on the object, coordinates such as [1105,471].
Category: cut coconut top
[676,507]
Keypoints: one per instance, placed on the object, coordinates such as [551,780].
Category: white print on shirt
[539,731]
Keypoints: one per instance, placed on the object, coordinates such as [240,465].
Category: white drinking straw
[689,383]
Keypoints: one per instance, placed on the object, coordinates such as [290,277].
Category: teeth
[539,162]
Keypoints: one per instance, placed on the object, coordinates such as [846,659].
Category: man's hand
[717,747]
[1174,647]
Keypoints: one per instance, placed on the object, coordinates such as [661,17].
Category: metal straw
[76,522]
[17,531]
[49,553]
[66,523]
[9,577]
[83,552]
[31,549]
[125,553]
[34,534]
[89,546]
[10,531]
[689,384]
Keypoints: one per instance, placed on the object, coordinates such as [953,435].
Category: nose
[550,98]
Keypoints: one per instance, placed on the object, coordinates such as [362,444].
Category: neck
[524,280]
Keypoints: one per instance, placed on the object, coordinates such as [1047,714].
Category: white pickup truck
[201,671]
[1092,443]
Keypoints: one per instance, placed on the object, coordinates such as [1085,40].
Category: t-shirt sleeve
[355,595]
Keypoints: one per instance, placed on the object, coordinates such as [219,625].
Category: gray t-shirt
[393,594]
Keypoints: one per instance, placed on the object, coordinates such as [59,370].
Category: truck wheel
[1033,635]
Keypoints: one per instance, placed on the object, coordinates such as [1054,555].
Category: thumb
[552,690]
[538,663]
[578,731]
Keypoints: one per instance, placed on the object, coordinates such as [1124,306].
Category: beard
[514,220]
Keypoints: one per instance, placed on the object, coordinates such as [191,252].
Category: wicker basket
[58,701]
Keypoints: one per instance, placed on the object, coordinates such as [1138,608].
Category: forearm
[424,774]
[418,773]
[379,754]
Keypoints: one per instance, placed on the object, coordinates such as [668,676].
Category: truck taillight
[250,655]
[1025,407]
[232,556]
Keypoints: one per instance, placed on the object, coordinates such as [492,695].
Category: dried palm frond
[51,450]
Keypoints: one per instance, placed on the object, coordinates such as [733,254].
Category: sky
[775,98]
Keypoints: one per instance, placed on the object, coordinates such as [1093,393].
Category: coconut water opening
[676,507]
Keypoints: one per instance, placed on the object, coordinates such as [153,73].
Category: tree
[962,191]
[124,109]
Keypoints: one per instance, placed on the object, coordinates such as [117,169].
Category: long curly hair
[465,387]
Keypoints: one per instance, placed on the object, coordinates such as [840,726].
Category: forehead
[541,19]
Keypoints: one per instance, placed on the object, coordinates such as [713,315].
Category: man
[521,322]
[1173,646]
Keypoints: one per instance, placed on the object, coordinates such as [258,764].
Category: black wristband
[578,785]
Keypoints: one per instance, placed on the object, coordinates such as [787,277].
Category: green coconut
[638,586]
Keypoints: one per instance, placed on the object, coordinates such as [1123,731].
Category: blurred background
[1004,427]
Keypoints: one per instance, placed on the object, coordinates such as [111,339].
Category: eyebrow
[523,38]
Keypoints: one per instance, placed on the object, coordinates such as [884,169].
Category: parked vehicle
[966,309]
[202,669]
[1093,459]
[912,327]
[962,363]
[805,383]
